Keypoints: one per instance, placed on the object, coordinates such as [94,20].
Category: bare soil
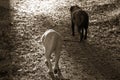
[23,23]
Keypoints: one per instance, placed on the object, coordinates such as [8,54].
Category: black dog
[80,19]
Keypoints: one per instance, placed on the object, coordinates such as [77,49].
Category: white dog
[52,42]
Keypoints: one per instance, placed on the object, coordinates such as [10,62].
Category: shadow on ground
[7,45]
[103,64]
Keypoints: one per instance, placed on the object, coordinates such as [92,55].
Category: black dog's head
[73,8]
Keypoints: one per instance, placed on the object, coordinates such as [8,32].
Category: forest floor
[97,58]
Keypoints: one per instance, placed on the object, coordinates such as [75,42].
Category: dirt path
[90,60]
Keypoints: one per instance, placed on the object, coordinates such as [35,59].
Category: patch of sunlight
[97,2]
[114,12]
[37,6]
[28,6]
[111,14]
[48,6]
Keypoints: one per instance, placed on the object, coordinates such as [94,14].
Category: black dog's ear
[71,8]
[76,5]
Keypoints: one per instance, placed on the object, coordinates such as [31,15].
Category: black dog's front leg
[72,26]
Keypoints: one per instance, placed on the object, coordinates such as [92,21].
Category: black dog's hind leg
[85,34]
[81,34]
[86,26]
[80,31]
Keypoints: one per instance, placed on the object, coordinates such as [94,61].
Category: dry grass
[95,59]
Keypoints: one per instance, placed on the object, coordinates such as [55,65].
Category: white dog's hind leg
[57,55]
[48,63]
